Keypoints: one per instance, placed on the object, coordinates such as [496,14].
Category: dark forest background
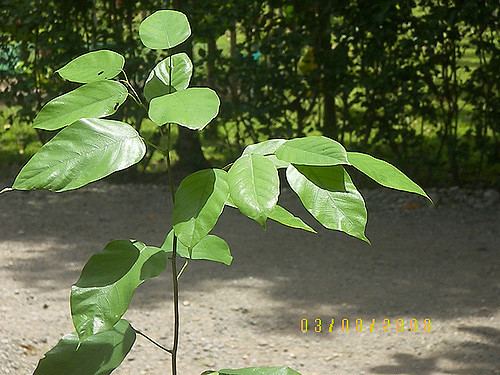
[413,82]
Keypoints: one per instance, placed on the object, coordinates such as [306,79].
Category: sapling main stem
[175,282]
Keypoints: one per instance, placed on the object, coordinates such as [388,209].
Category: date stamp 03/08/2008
[358,325]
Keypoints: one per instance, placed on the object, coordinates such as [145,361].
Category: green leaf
[159,80]
[84,152]
[193,108]
[107,284]
[164,29]
[329,178]
[282,216]
[211,248]
[314,150]
[254,186]
[339,210]
[279,164]
[93,100]
[97,355]
[199,202]
[260,371]
[384,173]
[264,148]
[93,66]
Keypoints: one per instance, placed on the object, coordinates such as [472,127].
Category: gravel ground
[441,263]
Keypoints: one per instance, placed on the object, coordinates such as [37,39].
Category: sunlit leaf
[254,186]
[199,202]
[193,108]
[314,150]
[93,66]
[107,284]
[384,173]
[339,210]
[282,216]
[279,164]
[84,152]
[97,355]
[164,29]
[211,248]
[160,82]
[93,100]
[264,148]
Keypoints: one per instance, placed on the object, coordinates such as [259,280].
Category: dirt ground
[440,263]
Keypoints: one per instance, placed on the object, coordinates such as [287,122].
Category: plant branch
[6,190]
[156,147]
[151,340]
[135,96]
[183,269]
[175,283]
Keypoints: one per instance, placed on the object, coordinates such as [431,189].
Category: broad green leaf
[164,29]
[193,108]
[107,284]
[97,355]
[384,173]
[339,210]
[314,150]
[93,100]
[329,178]
[84,152]
[282,216]
[211,248]
[260,371]
[264,148]
[93,66]
[160,82]
[254,186]
[199,202]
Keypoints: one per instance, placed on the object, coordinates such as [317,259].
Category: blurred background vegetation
[413,82]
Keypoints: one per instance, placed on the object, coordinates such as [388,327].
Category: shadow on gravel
[425,262]
[470,356]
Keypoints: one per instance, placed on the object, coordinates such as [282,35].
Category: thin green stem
[6,190]
[134,94]
[156,147]
[151,340]
[183,269]
[175,282]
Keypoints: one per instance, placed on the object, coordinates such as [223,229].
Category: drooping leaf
[338,210]
[211,248]
[192,108]
[93,66]
[92,100]
[259,371]
[107,284]
[254,186]
[97,355]
[314,150]
[160,82]
[264,148]
[282,216]
[164,29]
[84,152]
[384,173]
[199,202]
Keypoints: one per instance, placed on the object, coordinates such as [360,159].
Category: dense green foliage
[415,82]
[89,148]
